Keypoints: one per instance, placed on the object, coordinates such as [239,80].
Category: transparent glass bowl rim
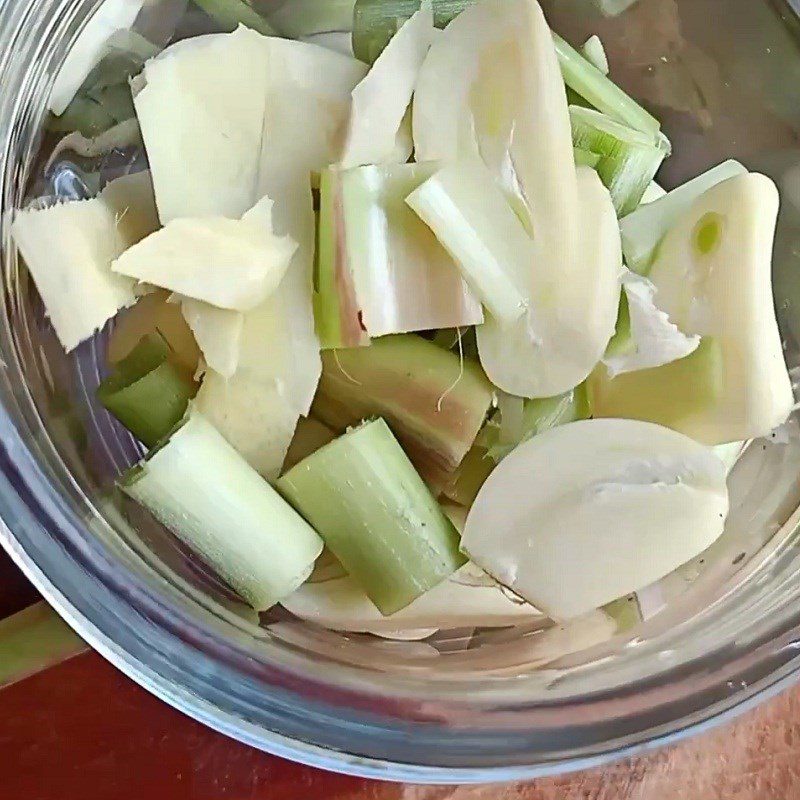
[325,724]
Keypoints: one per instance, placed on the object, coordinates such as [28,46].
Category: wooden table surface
[82,731]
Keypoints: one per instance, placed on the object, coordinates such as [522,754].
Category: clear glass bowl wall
[724,77]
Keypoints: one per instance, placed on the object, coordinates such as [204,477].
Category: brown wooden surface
[82,731]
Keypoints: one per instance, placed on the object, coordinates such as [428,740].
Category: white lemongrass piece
[201,114]
[205,493]
[596,54]
[232,264]
[218,332]
[468,598]
[655,341]
[470,216]
[403,279]
[89,48]
[308,105]
[713,275]
[491,86]
[69,249]
[381,99]
[643,230]
[616,505]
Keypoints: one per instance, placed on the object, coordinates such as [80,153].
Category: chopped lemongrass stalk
[643,230]
[69,248]
[654,340]
[628,158]
[218,332]
[433,402]
[298,18]
[34,640]
[230,14]
[232,264]
[595,53]
[200,488]
[153,313]
[616,505]
[470,476]
[84,116]
[146,392]
[583,158]
[469,598]
[586,80]
[375,22]
[336,309]
[713,275]
[311,435]
[538,416]
[380,101]
[376,515]
[471,218]
[111,17]
[388,272]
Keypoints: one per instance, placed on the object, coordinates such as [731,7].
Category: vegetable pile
[413,339]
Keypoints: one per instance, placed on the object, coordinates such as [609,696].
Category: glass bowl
[714,638]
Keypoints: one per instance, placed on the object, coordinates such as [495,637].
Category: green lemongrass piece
[376,21]
[33,640]
[470,476]
[585,158]
[84,115]
[586,80]
[230,14]
[461,341]
[538,416]
[625,612]
[146,392]
[643,230]
[667,395]
[595,53]
[376,515]
[298,18]
[381,270]
[470,216]
[200,488]
[434,402]
[628,158]
[337,314]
